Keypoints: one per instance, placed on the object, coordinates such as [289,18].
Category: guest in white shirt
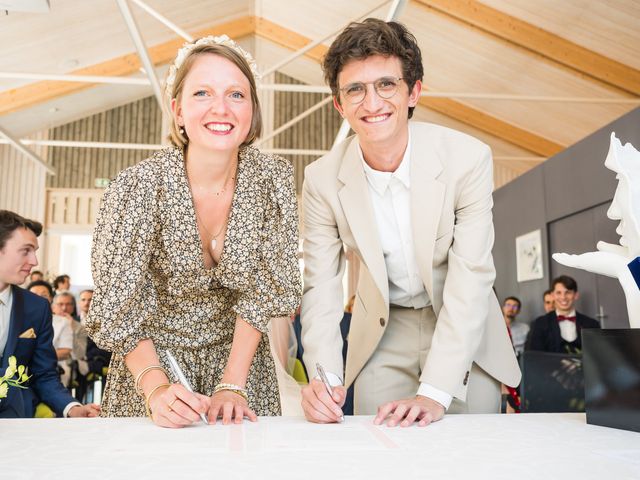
[62,331]
[72,338]
[518,330]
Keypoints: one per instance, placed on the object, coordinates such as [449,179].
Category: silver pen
[325,380]
[177,371]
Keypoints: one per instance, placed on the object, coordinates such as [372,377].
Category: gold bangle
[230,387]
[143,373]
[147,407]
[237,392]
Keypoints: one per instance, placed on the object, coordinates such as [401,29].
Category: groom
[413,202]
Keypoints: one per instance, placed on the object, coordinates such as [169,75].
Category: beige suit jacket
[451,201]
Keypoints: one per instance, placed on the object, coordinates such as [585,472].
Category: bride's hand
[175,406]
[231,407]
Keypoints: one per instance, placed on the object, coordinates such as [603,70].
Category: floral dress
[151,282]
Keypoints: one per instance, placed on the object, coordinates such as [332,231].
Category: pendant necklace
[214,238]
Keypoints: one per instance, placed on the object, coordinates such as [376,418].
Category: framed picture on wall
[529,256]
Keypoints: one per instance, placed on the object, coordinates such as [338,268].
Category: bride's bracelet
[147,401]
[237,389]
[143,373]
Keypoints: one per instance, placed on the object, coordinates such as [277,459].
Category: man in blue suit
[26,331]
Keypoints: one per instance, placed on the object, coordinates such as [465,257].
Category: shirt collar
[572,313]
[6,294]
[379,181]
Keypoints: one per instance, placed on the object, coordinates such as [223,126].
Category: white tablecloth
[514,447]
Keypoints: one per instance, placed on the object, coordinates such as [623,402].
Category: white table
[514,447]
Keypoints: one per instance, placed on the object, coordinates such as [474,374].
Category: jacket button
[466,378]
[382,322]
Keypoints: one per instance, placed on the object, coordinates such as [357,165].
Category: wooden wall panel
[22,181]
[502,175]
[317,131]
[137,122]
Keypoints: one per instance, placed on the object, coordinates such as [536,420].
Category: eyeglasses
[385,87]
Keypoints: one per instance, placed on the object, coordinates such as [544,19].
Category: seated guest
[62,331]
[74,339]
[91,358]
[517,330]
[96,359]
[62,283]
[36,275]
[547,299]
[26,330]
[559,331]
[84,302]
[83,351]
[41,288]
[64,304]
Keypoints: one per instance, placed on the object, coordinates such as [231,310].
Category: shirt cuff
[429,391]
[65,412]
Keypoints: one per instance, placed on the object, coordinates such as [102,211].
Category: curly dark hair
[370,37]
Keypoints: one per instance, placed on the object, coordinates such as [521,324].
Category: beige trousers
[393,371]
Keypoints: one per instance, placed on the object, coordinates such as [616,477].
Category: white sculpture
[613,260]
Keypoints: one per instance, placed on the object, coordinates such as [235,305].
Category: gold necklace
[224,187]
[214,239]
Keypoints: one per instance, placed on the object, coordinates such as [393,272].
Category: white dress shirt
[568,330]
[62,332]
[6,301]
[519,332]
[391,200]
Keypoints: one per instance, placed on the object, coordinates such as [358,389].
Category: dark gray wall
[572,181]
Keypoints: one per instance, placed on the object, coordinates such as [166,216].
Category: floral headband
[186,49]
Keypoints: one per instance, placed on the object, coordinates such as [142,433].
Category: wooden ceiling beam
[287,38]
[488,123]
[516,135]
[34,93]
[540,41]
[519,166]
[38,92]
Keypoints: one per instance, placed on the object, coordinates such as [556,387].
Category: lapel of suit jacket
[556,334]
[15,324]
[356,204]
[427,197]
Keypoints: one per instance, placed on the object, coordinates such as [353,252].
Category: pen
[325,380]
[177,371]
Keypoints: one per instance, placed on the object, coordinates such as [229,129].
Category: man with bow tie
[559,331]
[26,331]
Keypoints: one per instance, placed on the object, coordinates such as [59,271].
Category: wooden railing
[72,209]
